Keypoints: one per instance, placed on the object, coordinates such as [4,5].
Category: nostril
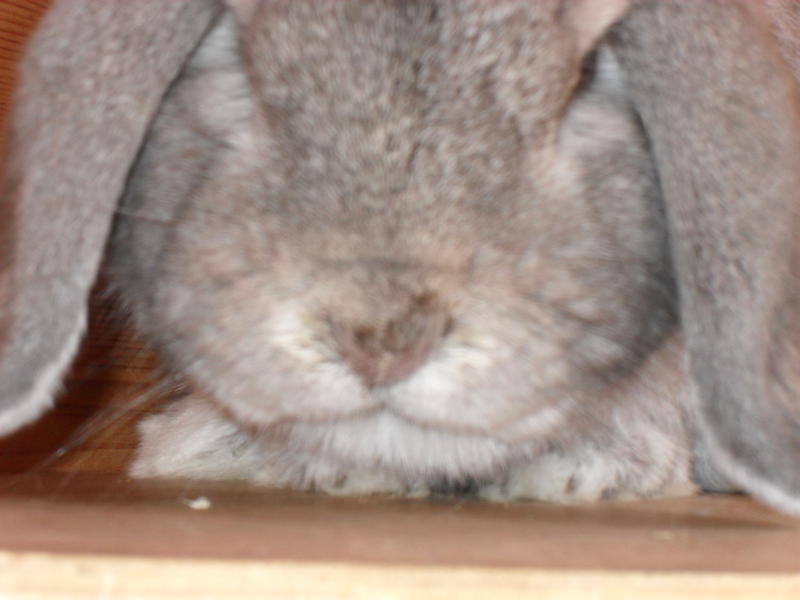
[365,338]
[447,327]
[390,353]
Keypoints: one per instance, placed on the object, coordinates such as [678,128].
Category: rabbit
[528,250]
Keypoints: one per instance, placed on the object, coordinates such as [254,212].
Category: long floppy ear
[90,83]
[720,108]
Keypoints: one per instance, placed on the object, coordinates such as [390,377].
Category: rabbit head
[457,213]
[376,253]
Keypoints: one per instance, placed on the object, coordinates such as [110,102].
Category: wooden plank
[106,537]
[80,513]
[27,576]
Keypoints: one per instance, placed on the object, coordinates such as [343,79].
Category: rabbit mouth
[472,381]
[400,444]
[431,399]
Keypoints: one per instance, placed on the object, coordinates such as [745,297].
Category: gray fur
[92,80]
[397,247]
[732,187]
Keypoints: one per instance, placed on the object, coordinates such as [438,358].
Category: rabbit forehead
[338,57]
[389,106]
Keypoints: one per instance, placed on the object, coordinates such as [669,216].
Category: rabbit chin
[384,453]
[432,401]
[439,425]
[375,452]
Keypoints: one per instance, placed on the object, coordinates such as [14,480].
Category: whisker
[108,420]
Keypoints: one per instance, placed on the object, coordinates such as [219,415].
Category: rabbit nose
[386,354]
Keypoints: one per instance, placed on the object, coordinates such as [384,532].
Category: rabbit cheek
[482,378]
[269,362]
[247,333]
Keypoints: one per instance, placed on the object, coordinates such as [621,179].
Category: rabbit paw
[589,475]
[192,439]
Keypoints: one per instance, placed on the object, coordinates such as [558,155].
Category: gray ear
[720,109]
[90,83]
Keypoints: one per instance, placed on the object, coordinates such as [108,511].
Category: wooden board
[109,514]
[110,577]
[91,533]
[63,577]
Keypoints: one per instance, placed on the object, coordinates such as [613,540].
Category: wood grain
[80,576]
[17,20]
[100,514]
[105,534]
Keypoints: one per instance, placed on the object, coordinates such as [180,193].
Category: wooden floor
[108,514]
[85,530]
